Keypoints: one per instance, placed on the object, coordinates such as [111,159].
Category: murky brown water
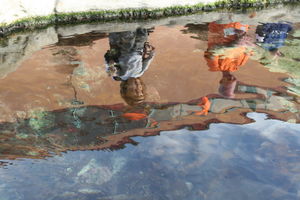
[60,97]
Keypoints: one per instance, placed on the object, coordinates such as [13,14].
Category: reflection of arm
[147,61]
[110,62]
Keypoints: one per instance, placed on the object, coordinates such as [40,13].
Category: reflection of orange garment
[205,104]
[134,116]
[226,58]
[230,60]
[217,36]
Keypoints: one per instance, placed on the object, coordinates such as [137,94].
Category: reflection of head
[199,29]
[227,85]
[133,91]
[259,30]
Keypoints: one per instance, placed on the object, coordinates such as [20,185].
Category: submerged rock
[89,191]
[94,173]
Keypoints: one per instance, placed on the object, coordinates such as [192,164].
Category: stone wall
[12,10]
[16,15]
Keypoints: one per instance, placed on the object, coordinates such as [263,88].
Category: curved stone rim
[130,14]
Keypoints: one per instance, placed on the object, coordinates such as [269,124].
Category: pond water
[201,107]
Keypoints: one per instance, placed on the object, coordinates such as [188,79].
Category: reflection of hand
[148,50]
[111,70]
[205,104]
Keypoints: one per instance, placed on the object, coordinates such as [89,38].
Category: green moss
[41,120]
[132,14]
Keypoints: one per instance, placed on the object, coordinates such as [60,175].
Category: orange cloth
[216,34]
[230,61]
[230,58]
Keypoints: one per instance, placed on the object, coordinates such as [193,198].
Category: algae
[40,120]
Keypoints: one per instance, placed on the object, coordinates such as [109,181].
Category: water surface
[220,99]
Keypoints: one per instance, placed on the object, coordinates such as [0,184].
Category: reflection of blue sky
[254,161]
[258,160]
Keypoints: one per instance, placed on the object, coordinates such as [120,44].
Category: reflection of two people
[229,48]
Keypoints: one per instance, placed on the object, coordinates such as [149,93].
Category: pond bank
[30,14]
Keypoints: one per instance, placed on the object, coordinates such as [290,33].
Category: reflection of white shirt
[132,65]
[130,46]
[259,38]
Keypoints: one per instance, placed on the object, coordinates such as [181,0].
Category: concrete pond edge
[130,14]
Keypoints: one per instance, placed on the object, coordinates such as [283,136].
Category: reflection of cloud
[226,146]
[168,145]
[259,157]
[274,130]
[226,161]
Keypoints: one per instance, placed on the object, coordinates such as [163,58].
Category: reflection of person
[271,36]
[226,52]
[128,58]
